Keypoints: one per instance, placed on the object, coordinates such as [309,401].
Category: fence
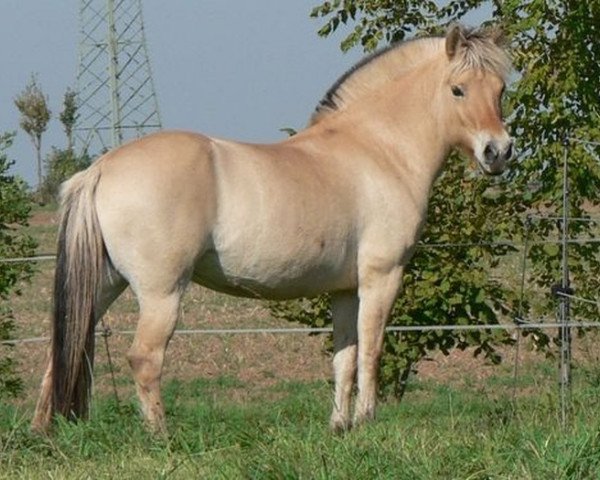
[562,291]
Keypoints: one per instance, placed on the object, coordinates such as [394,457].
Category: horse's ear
[455,38]
[497,36]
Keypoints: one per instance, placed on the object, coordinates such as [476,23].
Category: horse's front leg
[345,339]
[377,292]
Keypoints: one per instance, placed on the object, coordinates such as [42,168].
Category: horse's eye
[457,91]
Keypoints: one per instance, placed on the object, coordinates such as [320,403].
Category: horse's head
[473,90]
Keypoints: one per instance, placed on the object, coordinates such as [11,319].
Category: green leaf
[551,249]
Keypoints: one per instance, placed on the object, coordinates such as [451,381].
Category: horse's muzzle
[495,157]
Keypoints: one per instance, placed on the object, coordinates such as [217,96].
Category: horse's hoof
[340,427]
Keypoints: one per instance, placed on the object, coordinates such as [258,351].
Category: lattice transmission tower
[115,91]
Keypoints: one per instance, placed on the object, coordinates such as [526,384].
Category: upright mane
[479,50]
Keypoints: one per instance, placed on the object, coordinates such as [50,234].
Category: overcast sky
[234,69]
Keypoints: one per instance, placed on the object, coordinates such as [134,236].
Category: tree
[377,21]
[557,58]
[68,116]
[554,105]
[62,164]
[14,211]
[35,115]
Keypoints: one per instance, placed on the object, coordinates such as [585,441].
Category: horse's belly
[274,277]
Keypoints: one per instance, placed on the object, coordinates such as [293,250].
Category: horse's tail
[77,283]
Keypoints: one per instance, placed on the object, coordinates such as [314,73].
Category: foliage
[377,21]
[14,211]
[557,58]
[35,115]
[554,105]
[60,165]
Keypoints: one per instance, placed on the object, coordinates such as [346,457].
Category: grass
[453,433]
[234,411]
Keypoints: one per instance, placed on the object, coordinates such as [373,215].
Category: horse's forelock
[483,50]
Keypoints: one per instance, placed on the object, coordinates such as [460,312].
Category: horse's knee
[146,366]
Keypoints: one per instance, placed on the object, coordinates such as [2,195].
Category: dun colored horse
[337,208]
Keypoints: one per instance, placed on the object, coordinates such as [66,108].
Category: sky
[233,69]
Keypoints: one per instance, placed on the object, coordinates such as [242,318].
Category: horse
[336,208]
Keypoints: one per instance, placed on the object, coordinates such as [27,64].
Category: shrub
[15,206]
[60,165]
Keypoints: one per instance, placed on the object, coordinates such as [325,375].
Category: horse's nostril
[509,151]
[490,153]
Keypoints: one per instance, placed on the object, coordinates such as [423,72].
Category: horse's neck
[399,125]
[406,131]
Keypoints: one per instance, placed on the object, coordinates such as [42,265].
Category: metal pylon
[115,91]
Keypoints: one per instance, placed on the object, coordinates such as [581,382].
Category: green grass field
[258,407]
[436,432]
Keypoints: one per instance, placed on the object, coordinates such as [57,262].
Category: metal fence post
[564,308]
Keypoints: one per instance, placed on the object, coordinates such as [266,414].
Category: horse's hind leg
[345,339]
[158,316]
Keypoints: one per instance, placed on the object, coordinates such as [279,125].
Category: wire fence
[35,258]
[48,257]
[519,324]
[564,325]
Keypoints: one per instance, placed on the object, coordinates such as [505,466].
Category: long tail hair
[77,282]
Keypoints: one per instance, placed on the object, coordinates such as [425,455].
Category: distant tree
[61,164]
[35,115]
[68,116]
[15,207]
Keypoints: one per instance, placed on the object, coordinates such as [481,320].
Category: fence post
[564,308]
[518,332]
